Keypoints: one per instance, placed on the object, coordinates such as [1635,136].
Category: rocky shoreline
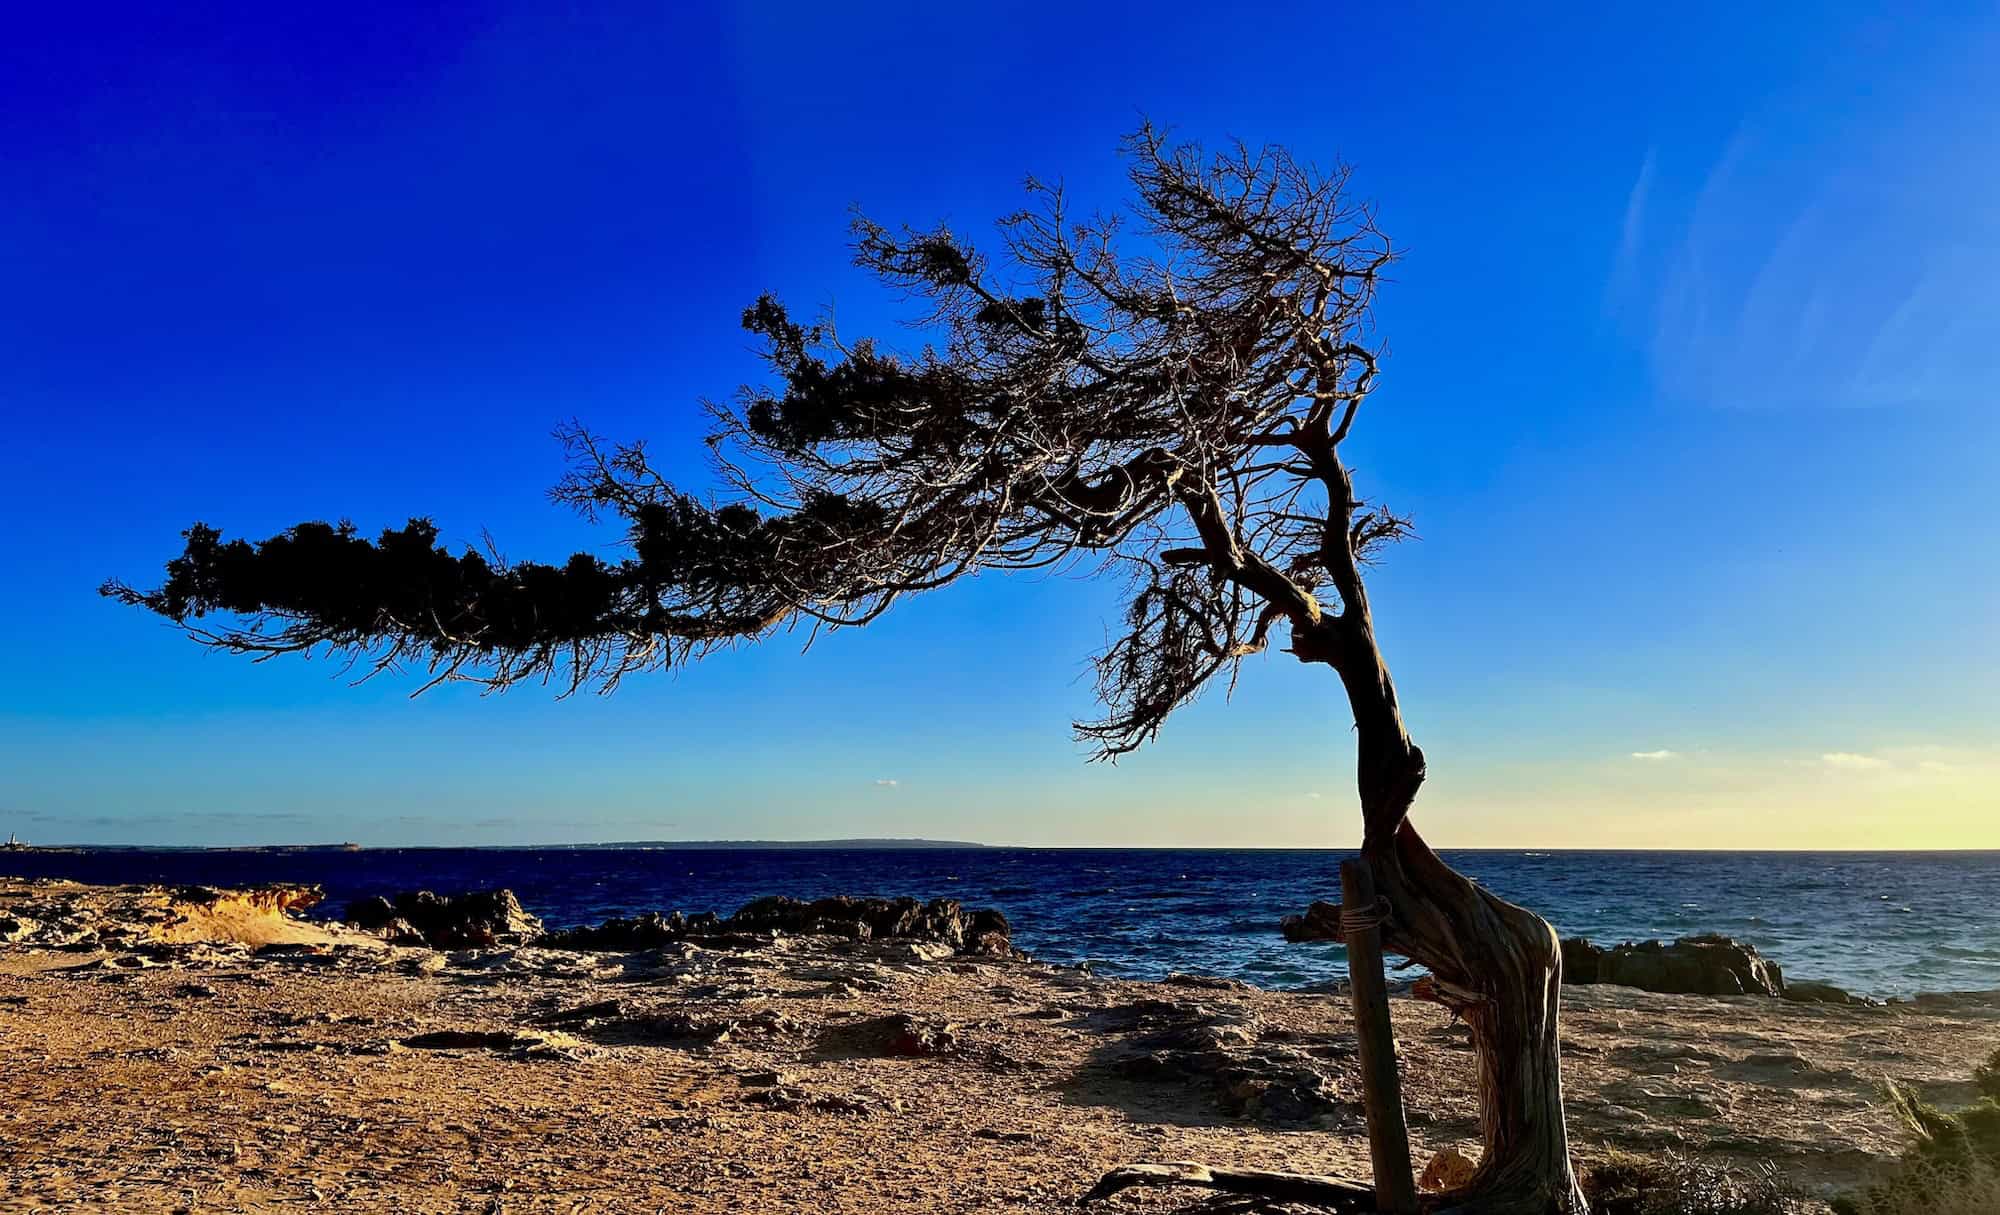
[209,1050]
[1706,964]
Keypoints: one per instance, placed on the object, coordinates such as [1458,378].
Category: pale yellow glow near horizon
[1924,798]
[1894,798]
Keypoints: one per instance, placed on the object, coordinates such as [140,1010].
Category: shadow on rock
[1158,1052]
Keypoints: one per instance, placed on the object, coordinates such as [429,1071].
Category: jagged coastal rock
[941,923]
[1320,922]
[1708,965]
[1254,1071]
[485,918]
[474,919]
[1806,991]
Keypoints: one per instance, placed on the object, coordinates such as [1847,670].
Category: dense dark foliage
[1168,404]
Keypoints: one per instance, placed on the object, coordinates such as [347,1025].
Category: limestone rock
[276,899]
[649,931]
[474,919]
[1250,1075]
[1321,922]
[903,1034]
[1206,982]
[1450,1169]
[1808,991]
[597,1011]
[782,1097]
[898,1034]
[461,1039]
[942,921]
[1581,960]
[764,1079]
[944,928]
[1707,965]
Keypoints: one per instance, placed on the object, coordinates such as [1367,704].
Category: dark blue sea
[1877,923]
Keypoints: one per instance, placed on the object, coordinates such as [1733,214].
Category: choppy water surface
[1880,923]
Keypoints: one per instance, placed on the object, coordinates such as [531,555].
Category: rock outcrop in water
[1809,992]
[474,919]
[1707,965]
[944,923]
[1320,922]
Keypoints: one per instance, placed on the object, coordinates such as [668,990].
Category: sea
[1879,924]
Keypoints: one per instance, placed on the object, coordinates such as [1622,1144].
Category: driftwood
[1334,1193]
[1381,1084]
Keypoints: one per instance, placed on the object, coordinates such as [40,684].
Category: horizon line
[926,844]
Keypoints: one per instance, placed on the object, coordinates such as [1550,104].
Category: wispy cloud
[1849,761]
[1312,795]
[1742,281]
[1656,756]
[1631,235]
[887,783]
[193,818]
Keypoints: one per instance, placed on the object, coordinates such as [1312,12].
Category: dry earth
[234,1059]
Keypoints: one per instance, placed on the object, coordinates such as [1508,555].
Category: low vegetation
[1680,1185]
[1987,1076]
[1952,1167]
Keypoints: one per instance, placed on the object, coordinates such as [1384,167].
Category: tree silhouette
[1160,395]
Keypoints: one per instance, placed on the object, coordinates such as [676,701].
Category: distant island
[854,845]
[868,845]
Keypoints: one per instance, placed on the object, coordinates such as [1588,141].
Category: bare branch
[1079,403]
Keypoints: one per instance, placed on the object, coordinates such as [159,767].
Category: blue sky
[1692,358]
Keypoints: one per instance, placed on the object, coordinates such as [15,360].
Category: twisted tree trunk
[1496,965]
[1500,968]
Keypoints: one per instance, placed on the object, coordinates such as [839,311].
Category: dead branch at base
[1335,1193]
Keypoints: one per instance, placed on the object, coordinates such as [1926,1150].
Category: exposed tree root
[1334,1193]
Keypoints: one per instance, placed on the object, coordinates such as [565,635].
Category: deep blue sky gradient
[1692,362]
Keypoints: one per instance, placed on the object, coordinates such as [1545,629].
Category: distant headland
[867,844]
[858,845]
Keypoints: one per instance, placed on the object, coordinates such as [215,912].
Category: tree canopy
[1159,394]
[1160,391]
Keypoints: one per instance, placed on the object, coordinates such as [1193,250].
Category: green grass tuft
[1952,1166]
[1987,1076]
[1678,1185]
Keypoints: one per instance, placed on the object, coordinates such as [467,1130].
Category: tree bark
[1500,968]
[1496,965]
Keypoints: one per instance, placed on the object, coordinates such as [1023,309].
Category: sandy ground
[178,1071]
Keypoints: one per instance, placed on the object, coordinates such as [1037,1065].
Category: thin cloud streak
[1746,287]
[1852,762]
[1631,232]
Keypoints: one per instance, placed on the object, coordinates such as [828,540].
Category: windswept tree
[1160,396]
